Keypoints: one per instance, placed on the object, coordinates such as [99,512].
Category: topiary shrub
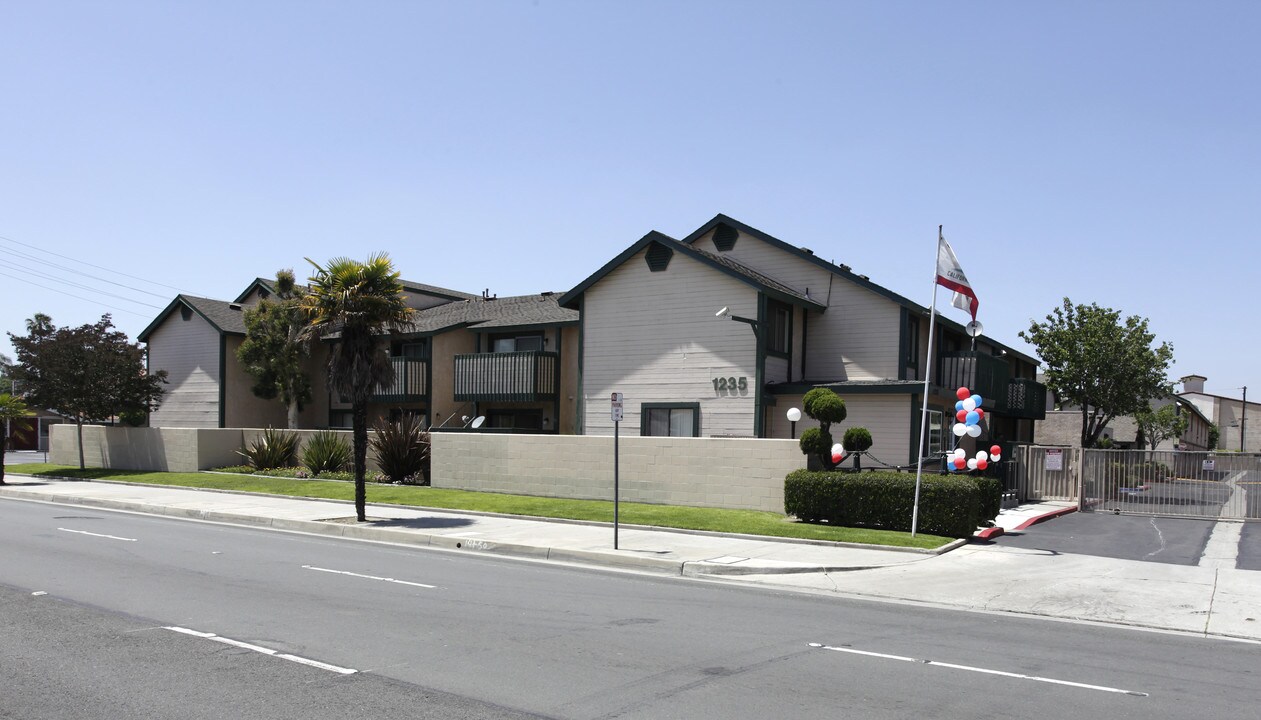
[857,440]
[401,449]
[273,449]
[949,506]
[326,451]
[826,407]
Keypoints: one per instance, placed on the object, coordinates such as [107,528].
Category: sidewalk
[978,576]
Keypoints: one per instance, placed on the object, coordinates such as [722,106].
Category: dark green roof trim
[434,291]
[729,267]
[264,283]
[192,304]
[891,387]
[842,272]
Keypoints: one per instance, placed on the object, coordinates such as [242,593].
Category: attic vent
[658,257]
[186,313]
[234,306]
[807,251]
[725,237]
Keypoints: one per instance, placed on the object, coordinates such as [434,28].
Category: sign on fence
[1208,465]
[1054,459]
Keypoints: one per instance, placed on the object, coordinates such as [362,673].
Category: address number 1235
[730,383]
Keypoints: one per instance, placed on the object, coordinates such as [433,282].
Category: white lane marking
[368,577]
[1160,536]
[85,532]
[263,650]
[37,593]
[987,671]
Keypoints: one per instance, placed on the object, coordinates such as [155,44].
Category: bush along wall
[952,506]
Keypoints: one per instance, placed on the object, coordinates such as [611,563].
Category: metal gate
[1047,473]
[1186,484]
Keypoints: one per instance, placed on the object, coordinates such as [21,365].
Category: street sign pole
[616,413]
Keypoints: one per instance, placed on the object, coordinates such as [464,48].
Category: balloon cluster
[968,413]
[838,453]
[958,460]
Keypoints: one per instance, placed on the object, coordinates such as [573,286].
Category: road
[121,632]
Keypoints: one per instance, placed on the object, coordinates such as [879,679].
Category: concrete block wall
[162,449]
[738,473]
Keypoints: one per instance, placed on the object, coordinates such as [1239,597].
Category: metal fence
[1175,483]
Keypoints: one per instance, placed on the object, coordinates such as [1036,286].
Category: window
[669,419]
[779,327]
[935,433]
[912,342]
[532,342]
[416,349]
[341,419]
[515,419]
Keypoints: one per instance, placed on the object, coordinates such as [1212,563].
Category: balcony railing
[506,377]
[409,381]
[1026,399]
[984,374]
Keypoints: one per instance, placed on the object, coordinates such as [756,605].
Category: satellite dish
[477,421]
[974,329]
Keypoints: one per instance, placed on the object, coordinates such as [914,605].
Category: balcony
[506,377]
[409,381]
[984,374]
[1026,399]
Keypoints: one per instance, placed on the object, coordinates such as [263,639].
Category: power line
[98,267]
[81,286]
[78,297]
[42,261]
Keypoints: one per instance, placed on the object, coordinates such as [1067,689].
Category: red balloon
[963,393]
[996,450]
[982,464]
[960,463]
[837,458]
[962,416]
[980,414]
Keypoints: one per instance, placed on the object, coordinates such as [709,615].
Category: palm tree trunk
[359,433]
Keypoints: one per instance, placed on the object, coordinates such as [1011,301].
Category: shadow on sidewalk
[425,523]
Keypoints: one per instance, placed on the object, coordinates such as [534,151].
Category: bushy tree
[11,408]
[91,372]
[6,381]
[1214,436]
[857,440]
[1102,365]
[356,305]
[826,407]
[1156,426]
[273,351]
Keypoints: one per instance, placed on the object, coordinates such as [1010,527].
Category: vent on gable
[186,313]
[725,237]
[658,257]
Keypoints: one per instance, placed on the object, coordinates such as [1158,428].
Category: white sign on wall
[1054,459]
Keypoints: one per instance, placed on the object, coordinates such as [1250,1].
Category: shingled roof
[479,313]
[223,316]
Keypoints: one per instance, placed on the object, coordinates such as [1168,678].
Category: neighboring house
[1062,426]
[30,432]
[1238,422]
[512,360]
[655,326]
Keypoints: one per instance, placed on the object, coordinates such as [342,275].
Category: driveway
[18,457]
[1179,541]
[1250,547]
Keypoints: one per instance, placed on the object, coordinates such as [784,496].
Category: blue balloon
[958,406]
[977,399]
[973,418]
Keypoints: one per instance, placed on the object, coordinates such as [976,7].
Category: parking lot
[1178,541]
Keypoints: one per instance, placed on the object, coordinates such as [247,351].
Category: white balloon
[971,463]
[959,452]
[995,458]
[982,455]
[969,404]
[959,429]
[972,430]
[838,449]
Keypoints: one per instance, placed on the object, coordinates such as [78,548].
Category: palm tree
[11,408]
[354,305]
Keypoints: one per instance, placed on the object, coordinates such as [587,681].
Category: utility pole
[1243,421]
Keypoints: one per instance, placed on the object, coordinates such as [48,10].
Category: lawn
[750,522]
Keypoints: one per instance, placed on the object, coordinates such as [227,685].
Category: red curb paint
[988,533]
[1044,517]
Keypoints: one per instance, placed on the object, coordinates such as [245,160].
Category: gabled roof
[269,284]
[743,273]
[478,313]
[225,317]
[842,272]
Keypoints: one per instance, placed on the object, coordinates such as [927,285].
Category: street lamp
[726,312]
[794,415]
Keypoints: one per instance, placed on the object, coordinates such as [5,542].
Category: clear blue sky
[1108,152]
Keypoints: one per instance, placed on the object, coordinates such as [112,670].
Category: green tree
[1214,436]
[355,304]
[91,372]
[273,352]
[6,370]
[1159,425]
[1102,365]
[11,408]
[825,406]
[857,440]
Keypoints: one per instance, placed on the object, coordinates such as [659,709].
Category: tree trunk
[4,442]
[79,423]
[359,433]
[293,415]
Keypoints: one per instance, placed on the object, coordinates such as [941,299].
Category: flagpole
[928,373]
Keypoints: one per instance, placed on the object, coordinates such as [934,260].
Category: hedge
[952,506]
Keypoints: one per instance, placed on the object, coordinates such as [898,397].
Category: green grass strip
[749,522]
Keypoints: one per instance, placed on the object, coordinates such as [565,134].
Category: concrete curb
[599,558]
[988,533]
[1044,517]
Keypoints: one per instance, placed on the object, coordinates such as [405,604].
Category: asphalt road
[490,637]
[1179,541]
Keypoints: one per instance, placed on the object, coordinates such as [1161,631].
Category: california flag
[950,275]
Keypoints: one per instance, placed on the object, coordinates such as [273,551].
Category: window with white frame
[670,420]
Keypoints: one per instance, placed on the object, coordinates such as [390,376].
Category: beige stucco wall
[442,395]
[163,449]
[699,472]
[888,417]
[244,409]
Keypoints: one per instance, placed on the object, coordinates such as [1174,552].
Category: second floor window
[416,349]
[532,342]
[778,327]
